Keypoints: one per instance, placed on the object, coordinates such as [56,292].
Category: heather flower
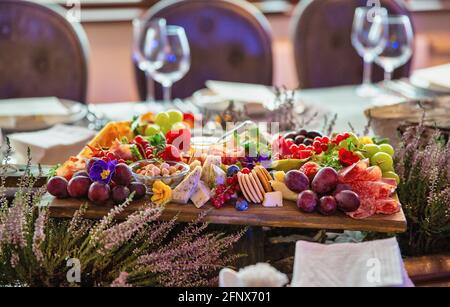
[39,235]
[121,281]
[102,171]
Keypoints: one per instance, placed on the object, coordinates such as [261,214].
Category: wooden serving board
[256,215]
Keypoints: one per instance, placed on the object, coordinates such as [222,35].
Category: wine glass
[398,39]
[177,60]
[367,40]
[149,37]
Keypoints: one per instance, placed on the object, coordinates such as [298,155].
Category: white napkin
[368,264]
[50,146]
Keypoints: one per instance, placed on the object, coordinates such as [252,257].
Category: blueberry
[232,169]
[241,205]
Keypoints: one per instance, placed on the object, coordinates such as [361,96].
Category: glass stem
[367,74]
[167,92]
[150,88]
[388,75]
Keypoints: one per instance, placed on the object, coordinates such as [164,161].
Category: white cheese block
[201,195]
[219,175]
[186,188]
[273,199]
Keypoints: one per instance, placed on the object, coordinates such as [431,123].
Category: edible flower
[347,157]
[162,193]
[102,171]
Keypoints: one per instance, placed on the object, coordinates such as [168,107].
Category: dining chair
[41,52]
[230,40]
[321,35]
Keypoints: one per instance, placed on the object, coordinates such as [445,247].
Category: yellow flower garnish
[162,193]
[105,174]
[365,140]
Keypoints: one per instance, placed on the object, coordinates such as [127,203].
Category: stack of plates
[435,78]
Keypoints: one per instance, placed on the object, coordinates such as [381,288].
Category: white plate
[77,111]
[425,84]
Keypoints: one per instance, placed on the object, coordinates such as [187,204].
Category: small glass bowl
[171,180]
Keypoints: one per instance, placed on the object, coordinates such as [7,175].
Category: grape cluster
[225,192]
[81,186]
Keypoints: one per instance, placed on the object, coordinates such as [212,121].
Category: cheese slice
[273,199]
[210,160]
[201,195]
[186,188]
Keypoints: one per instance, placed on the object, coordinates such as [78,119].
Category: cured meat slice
[353,172]
[387,206]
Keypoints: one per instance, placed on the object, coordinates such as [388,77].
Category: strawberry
[310,169]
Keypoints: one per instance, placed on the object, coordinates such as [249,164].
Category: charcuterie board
[256,215]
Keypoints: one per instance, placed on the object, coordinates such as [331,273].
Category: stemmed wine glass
[397,42]
[176,62]
[149,37]
[367,40]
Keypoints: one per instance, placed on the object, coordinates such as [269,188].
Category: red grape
[119,194]
[296,181]
[347,201]
[57,186]
[325,180]
[307,201]
[81,173]
[327,205]
[99,192]
[138,188]
[79,186]
[123,174]
[341,187]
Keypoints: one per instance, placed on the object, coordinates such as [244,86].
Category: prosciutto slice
[375,192]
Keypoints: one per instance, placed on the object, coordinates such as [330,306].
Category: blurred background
[108,25]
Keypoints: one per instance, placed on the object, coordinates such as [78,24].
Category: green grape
[175,116]
[178,126]
[383,160]
[391,174]
[152,129]
[370,149]
[162,119]
[387,149]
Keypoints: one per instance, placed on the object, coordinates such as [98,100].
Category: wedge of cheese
[209,161]
[201,195]
[183,192]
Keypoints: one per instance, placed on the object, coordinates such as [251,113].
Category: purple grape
[119,194]
[123,174]
[307,201]
[325,180]
[327,205]
[347,201]
[79,186]
[138,188]
[57,186]
[342,187]
[296,181]
[299,139]
[99,192]
[81,173]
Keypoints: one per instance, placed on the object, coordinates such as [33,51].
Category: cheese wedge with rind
[201,195]
[183,192]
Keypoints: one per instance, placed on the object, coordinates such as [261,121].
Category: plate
[427,85]
[77,111]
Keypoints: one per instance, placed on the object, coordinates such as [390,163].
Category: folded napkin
[368,264]
[50,146]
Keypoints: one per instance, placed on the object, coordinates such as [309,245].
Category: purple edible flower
[102,171]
